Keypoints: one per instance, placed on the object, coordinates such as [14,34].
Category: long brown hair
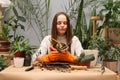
[68,33]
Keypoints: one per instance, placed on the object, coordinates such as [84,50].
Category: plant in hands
[59,46]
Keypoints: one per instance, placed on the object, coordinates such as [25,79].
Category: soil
[58,66]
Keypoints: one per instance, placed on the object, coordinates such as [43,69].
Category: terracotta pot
[114,35]
[112,65]
[84,64]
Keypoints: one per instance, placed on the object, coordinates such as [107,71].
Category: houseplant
[21,48]
[11,23]
[110,15]
[3,62]
[78,20]
[33,14]
[108,52]
[5,38]
[14,22]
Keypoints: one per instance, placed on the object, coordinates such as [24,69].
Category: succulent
[85,58]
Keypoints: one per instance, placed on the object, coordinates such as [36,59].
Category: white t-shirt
[76,47]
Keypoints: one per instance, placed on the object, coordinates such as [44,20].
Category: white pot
[18,61]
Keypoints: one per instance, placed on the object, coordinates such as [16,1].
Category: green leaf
[22,26]
[21,18]
[1,17]
[15,11]
[9,20]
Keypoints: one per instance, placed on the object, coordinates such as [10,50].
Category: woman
[62,32]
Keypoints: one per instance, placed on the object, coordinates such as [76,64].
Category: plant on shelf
[4,38]
[5,32]
[3,62]
[110,15]
[10,24]
[21,48]
[21,45]
[108,52]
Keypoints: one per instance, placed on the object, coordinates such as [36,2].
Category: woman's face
[61,25]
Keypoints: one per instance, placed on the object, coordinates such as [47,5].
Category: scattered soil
[62,67]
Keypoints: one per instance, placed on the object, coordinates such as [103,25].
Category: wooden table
[12,73]
[118,76]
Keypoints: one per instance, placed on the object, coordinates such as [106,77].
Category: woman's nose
[62,24]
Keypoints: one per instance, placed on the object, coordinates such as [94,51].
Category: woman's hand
[52,48]
[64,50]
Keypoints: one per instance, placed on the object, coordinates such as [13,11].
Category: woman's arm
[43,49]
[76,46]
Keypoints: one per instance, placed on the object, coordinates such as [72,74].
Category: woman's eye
[59,23]
[65,23]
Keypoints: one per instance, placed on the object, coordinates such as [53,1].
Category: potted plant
[21,48]
[108,52]
[11,23]
[110,15]
[3,62]
[5,38]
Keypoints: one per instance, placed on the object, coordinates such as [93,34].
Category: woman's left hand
[52,48]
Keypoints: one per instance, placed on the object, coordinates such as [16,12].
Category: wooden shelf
[6,54]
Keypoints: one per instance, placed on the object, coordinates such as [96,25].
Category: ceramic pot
[18,62]
[27,61]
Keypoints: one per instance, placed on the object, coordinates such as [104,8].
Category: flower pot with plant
[110,15]
[5,38]
[11,23]
[108,52]
[21,48]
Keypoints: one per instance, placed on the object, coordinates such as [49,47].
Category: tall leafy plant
[110,14]
[14,21]
[37,15]
[77,29]
[77,14]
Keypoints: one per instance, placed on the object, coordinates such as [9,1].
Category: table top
[12,73]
